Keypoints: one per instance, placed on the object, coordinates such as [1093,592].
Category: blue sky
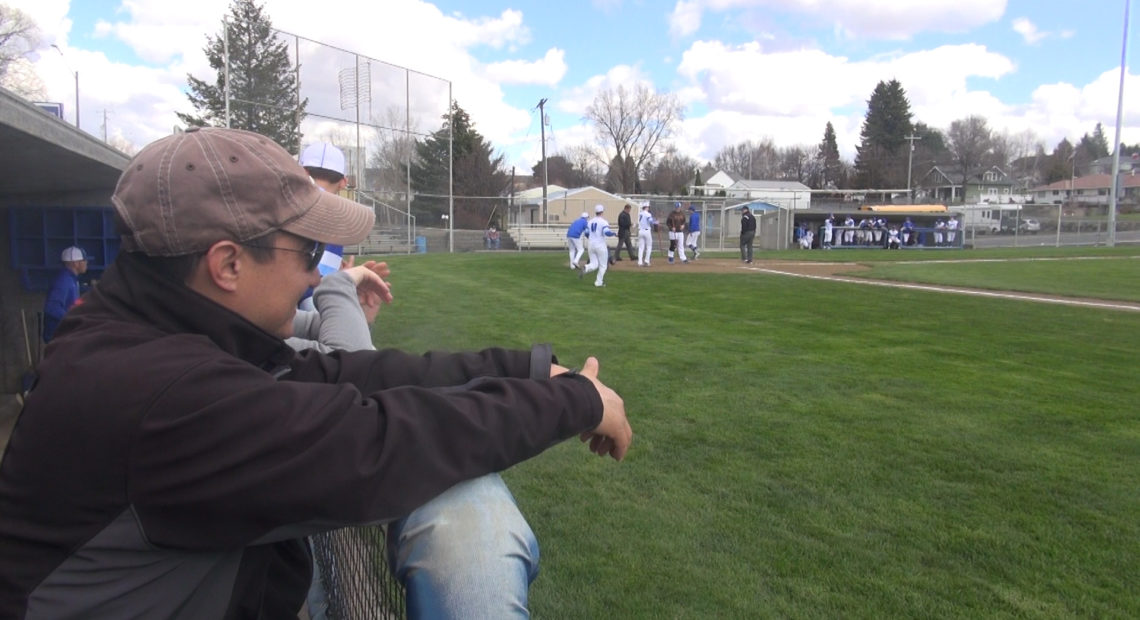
[744,69]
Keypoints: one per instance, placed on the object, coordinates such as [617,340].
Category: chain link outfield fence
[375,112]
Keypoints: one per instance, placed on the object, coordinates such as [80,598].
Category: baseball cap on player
[323,155]
[599,208]
[72,254]
[185,192]
[692,208]
[585,215]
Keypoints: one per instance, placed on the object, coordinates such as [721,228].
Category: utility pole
[1115,185]
[542,123]
[909,167]
[75,72]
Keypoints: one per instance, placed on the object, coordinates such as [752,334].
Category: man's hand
[371,289]
[613,435]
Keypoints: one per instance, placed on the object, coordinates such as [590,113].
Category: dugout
[924,218]
[55,192]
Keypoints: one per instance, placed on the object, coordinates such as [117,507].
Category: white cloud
[685,18]
[547,72]
[1028,30]
[875,19]
[575,100]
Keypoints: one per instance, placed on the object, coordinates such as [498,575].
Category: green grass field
[814,449]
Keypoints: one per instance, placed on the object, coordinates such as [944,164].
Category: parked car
[1029,225]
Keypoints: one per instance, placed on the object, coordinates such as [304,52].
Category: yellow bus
[904,208]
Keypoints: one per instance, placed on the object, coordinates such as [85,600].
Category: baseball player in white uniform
[645,224]
[951,230]
[596,232]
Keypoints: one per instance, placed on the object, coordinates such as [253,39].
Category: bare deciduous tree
[18,36]
[970,142]
[21,78]
[588,162]
[394,150]
[671,173]
[750,160]
[633,124]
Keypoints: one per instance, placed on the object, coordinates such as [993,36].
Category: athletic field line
[956,290]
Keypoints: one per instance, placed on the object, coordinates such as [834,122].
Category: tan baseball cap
[185,192]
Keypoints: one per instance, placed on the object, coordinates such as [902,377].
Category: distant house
[943,183]
[1128,163]
[565,205]
[526,205]
[783,194]
[713,181]
[1087,190]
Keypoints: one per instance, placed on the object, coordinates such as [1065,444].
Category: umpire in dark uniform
[624,226]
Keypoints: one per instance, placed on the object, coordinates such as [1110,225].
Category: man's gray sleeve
[338,324]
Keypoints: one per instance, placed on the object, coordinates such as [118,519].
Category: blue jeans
[467,553]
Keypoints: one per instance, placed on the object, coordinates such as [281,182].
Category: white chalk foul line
[951,289]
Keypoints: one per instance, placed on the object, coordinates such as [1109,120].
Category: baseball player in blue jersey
[645,224]
[596,232]
[694,231]
[574,239]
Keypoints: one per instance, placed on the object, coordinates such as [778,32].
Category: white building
[791,195]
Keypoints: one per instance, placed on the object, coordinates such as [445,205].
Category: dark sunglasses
[312,255]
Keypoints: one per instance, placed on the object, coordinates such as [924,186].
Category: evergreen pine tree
[830,166]
[263,85]
[881,158]
[476,172]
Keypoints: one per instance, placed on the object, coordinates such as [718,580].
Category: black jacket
[747,222]
[624,223]
[173,455]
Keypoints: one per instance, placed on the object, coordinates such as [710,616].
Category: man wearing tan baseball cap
[175,451]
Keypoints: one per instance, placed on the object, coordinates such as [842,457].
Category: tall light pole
[76,73]
[542,124]
[909,166]
[1112,188]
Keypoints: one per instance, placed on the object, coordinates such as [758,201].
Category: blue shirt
[61,297]
[576,228]
[694,222]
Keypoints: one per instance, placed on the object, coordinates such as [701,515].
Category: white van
[986,218]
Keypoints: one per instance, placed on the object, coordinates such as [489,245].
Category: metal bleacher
[538,237]
[383,241]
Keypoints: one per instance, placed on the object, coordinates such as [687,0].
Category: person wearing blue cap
[64,291]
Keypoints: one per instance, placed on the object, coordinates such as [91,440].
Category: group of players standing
[590,234]
[875,232]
